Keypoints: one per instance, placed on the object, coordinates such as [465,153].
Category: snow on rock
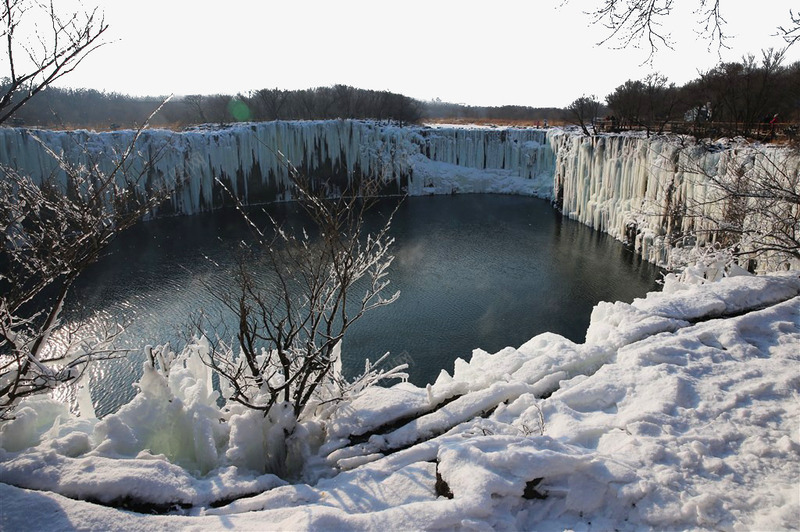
[737,294]
[680,411]
[377,406]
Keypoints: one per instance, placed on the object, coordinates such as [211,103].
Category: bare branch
[50,234]
[295,300]
[47,57]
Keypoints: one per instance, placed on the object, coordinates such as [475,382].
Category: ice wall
[254,159]
[525,152]
[654,194]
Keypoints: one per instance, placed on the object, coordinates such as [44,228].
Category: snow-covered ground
[680,410]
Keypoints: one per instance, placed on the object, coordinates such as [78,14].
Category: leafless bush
[296,294]
[52,231]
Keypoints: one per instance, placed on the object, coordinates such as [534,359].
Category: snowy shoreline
[679,411]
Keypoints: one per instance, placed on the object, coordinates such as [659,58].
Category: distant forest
[742,98]
[738,98]
[88,108]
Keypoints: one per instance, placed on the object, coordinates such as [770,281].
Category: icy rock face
[644,191]
[522,151]
[254,160]
[641,191]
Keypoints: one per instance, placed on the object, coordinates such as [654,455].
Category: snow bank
[679,411]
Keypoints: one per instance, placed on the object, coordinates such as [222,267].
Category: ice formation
[633,188]
[254,159]
[642,190]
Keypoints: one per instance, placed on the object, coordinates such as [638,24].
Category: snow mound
[679,411]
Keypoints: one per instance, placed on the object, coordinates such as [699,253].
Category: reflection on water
[473,271]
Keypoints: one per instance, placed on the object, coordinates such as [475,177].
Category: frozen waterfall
[636,189]
[254,159]
[657,194]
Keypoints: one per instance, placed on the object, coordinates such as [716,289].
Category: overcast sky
[496,52]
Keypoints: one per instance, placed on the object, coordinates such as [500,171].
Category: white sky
[529,52]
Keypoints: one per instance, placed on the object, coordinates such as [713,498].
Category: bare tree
[295,297]
[584,111]
[51,232]
[650,103]
[60,42]
[197,103]
[271,101]
[53,226]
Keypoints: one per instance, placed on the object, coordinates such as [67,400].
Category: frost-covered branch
[52,228]
[297,292]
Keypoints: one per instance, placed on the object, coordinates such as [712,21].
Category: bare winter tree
[584,111]
[197,104]
[271,102]
[52,230]
[60,42]
[297,293]
[648,104]
[53,226]
[744,93]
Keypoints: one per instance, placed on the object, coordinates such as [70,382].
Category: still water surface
[474,271]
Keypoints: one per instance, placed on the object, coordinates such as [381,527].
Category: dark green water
[474,271]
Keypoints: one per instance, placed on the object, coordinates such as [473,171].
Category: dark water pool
[473,271]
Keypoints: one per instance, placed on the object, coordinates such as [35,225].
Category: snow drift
[679,411]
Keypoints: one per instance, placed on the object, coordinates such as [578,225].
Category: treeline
[88,108]
[338,101]
[438,109]
[753,98]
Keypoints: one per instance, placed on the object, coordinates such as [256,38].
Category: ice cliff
[254,159]
[658,193]
[651,193]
